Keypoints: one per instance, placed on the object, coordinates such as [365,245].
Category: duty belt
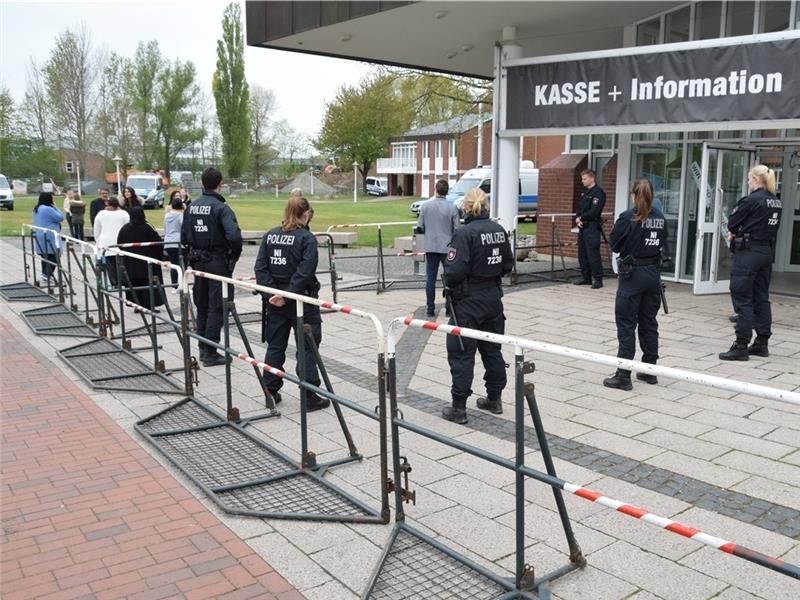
[760,242]
[646,262]
[479,284]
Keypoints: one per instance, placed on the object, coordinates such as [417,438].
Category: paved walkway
[726,463]
[87,513]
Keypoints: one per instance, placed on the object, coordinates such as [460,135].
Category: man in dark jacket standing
[98,204]
[588,220]
[213,241]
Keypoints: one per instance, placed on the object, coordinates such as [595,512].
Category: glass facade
[740,17]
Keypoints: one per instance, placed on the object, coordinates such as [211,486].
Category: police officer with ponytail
[640,237]
[287,260]
[753,227]
[478,256]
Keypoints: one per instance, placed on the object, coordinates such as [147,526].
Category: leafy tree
[146,65]
[7,110]
[359,122]
[175,124]
[119,77]
[70,73]
[231,92]
[262,104]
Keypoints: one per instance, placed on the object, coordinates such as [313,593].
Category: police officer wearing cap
[213,242]
[287,260]
[753,227]
[478,256]
[588,215]
[640,237]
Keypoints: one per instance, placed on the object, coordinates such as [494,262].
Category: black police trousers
[207,296]
[482,309]
[280,321]
[637,303]
[589,252]
[750,276]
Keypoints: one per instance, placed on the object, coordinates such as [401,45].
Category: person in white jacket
[107,224]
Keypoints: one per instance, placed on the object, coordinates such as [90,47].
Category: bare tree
[70,73]
[262,104]
[36,111]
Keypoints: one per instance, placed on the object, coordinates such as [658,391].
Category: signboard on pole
[745,79]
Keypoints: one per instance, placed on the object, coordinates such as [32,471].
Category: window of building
[707,18]
[451,146]
[426,150]
[578,142]
[69,166]
[602,141]
[438,148]
[739,18]
[676,27]
[649,32]
[774,16]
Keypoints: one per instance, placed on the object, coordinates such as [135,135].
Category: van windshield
[4,183]
[141,183]
[463,185]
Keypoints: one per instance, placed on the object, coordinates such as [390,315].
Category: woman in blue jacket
[48,245]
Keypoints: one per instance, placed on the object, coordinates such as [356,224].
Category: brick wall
[559,189]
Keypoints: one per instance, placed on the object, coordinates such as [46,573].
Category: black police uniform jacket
[287,260]
[590,205]
[210,231]
[479,253]
[641,240]
[759,214]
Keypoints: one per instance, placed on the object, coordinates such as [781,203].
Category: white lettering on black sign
[199,210]
[497,237]
[280,239]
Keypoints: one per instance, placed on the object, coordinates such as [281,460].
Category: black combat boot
[581,282]
[276,397]
[456,414]
[212,359]
[621,380]
[597,284]
[314,402]
[733,318]
[759,346]
[738,351]
[647,378]
[492,403]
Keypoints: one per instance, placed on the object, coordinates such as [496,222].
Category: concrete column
[506,154]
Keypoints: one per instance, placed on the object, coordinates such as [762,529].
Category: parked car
[147,187]
[6,194]
[376,187]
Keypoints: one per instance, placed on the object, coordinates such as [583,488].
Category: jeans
[432,262]
[174,255]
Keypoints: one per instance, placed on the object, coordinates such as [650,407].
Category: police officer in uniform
[213,241]
[753,227]
[287,260]
[478,256]
[640,237]
[588,220]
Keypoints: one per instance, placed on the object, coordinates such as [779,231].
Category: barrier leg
[399,513]
[575,553]
[561,253]
[189,364]
[307,459]
[383,379]
[337,409]
[157,364]
[24,255]
[521,574]
[232,413]
[379,281]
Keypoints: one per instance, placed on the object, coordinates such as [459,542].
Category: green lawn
[260,212]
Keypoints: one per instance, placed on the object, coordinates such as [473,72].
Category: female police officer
[287,260]
[478,256]
[753,226]
[639,235]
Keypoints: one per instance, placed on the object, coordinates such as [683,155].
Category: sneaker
[647,378]
[175,291]
[456,415]
[493,406]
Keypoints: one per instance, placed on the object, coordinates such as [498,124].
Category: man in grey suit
[438,218]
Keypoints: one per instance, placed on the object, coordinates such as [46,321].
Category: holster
[625,267]
[196,256]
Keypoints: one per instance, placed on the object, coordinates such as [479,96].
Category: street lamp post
[355,181]
[78,173]
[311,174]
[118,160]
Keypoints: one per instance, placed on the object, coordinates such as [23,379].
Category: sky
[185,29]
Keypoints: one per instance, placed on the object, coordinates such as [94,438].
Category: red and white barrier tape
[137,244]
[261,365]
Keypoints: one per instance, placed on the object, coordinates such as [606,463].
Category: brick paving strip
[87,513]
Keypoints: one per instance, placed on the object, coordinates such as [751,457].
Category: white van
[376,187]
[481,177]
[6,194]
[147,187]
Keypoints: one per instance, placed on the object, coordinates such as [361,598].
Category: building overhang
[448,37]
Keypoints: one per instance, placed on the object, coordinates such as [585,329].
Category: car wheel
[11,207]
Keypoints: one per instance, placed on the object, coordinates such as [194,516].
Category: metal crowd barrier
[555,247]
[380,284]
[525,580]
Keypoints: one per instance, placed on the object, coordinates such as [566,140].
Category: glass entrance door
[723,181]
